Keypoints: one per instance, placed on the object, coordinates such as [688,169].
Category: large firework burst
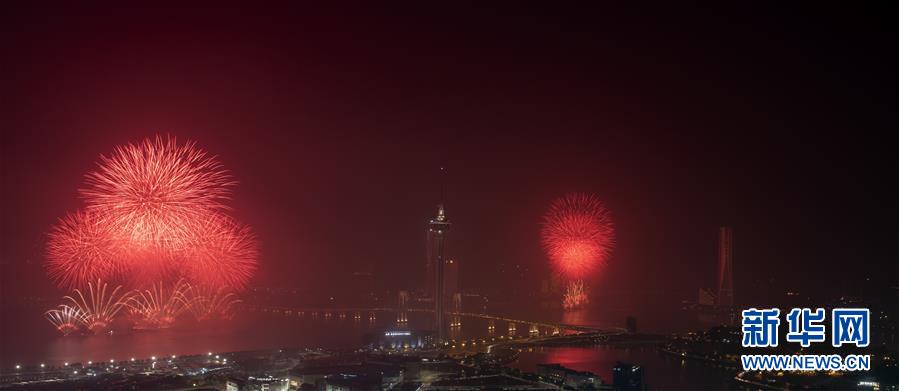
[220,254]
[155,212]
[81,248]
[578,235]
[152,192]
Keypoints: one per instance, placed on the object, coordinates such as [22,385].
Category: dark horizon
[335,124]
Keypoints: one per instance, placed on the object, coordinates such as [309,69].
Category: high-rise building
[725,267]
[438,228]
[628,377]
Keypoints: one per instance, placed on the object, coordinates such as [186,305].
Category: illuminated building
[568,378]
[438,228]
[401,339]
[266,383]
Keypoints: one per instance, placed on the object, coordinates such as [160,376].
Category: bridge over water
[549,328]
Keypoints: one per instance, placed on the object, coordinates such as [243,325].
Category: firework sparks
[578,235]
[221,254]
[575,295]
[66,319]
[155,212]
[99,309]
[81,248]
[208,303]
[152,191]
[160,306]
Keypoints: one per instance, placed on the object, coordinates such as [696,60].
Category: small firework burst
[66,319]
[160,306]
[99,306]
[209,303]
[575,295]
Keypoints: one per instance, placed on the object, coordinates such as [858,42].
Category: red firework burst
[98,308]
[81,248]
[155,212]
[152,192]
[578,235]
[221,253]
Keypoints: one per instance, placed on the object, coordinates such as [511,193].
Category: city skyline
[428,197]
[675,154]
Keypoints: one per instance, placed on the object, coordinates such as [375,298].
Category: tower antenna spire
[443,185]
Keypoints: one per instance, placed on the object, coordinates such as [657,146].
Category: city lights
[505,194]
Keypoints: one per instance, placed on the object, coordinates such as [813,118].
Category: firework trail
[159,306]
[577,235]
[99,309]
[66,319]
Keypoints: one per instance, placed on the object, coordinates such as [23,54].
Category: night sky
[778,122]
